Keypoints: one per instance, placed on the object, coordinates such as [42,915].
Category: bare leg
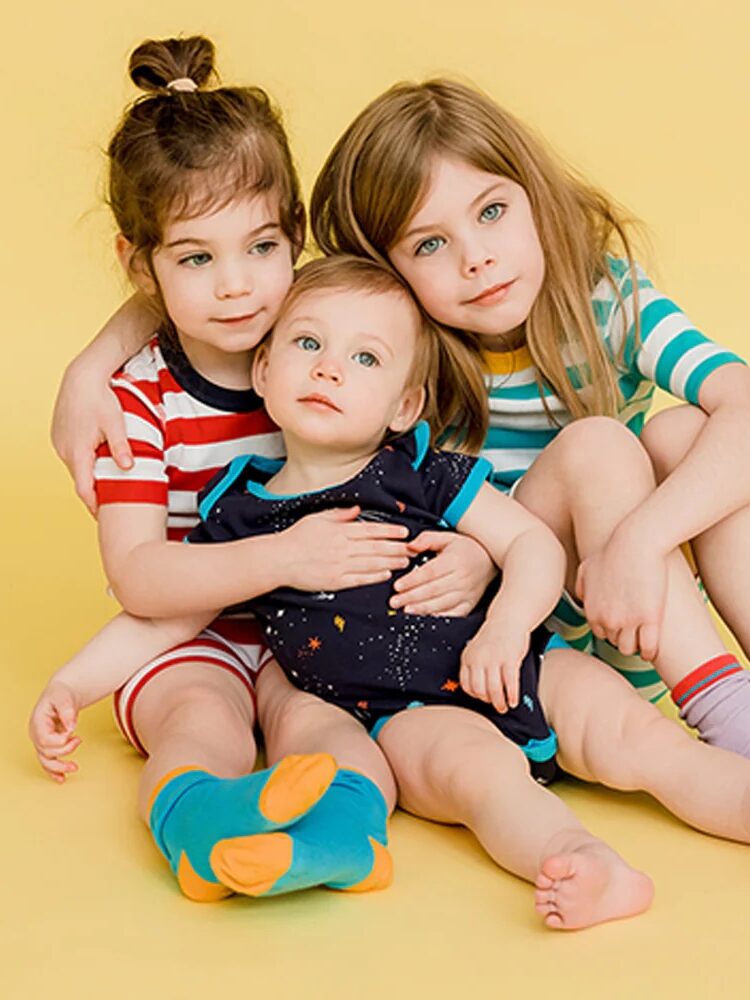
[618,475]
[193,716]
[454,766]
[296,722]
[722,553]
[608,734]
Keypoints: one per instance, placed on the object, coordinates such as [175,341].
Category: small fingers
[379,530]
[444,606]
[83,481]
[119,446]
[598,630]
[648,641]
[54,742]
[420,576]
[625,640]
[496,692]
[510,684]
[435,592]
[474,683]
[57,769]
[430,541]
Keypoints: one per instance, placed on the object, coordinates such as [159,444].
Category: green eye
[307,343]
[428,247]
[196,259]
[492,212]
[366,358]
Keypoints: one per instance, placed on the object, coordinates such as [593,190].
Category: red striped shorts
[233,644]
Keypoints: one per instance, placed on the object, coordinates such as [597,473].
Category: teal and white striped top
[671,354]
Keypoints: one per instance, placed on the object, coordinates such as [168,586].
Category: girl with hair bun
[206,200]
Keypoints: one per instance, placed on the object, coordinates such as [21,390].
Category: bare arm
[533,564]
[100,668]
[623,586]
[713,479]
[86,412]
[153,577]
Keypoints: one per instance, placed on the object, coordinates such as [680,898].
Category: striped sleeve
[667,350]
[146,481]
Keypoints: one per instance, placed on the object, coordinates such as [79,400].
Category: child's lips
[320,402]
[492,295]
[236,320]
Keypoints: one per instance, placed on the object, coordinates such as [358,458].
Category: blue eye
[198,259]
[307,343]
[366,358]
[492,212]
[428,247]
[264,248]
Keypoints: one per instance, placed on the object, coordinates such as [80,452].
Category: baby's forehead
[335,304]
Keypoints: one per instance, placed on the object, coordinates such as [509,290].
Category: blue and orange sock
[340,843]
[192,811]
[715,700]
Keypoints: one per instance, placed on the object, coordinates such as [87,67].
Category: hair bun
[155,63]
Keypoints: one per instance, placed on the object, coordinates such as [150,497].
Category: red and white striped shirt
[182,429]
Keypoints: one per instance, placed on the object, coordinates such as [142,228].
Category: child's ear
[134,265]
[260,367]
[409,409]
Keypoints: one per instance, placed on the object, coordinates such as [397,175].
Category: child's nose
[232,281]
[327,370]
[476,259]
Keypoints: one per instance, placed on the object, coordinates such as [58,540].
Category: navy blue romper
[350,647]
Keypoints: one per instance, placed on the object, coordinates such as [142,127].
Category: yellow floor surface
[650,99]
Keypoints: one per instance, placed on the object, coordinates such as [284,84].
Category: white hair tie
[182,83]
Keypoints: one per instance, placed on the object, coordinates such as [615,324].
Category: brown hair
[180,152]
[440,359]
[379,170]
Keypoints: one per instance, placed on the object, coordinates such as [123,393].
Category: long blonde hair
[378,171]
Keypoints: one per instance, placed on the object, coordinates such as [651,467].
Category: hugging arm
[86,410]
[533,565]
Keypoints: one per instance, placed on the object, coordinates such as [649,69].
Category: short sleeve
[146,481]
[212,527]
[451,482]
[667,349]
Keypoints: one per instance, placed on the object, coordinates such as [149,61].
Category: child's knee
[647,736]
[294,714]
[203,708]
[668,436]
[599,443]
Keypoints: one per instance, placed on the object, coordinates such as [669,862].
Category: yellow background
[649,99]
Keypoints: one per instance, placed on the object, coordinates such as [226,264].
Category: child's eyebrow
[499,182]
[266,227]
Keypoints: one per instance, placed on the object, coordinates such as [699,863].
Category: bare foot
[588,886]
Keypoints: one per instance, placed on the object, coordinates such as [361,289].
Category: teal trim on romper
[482,472]
[376,729]
[535,750]
[421,441]
[234,471]
[541,750]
